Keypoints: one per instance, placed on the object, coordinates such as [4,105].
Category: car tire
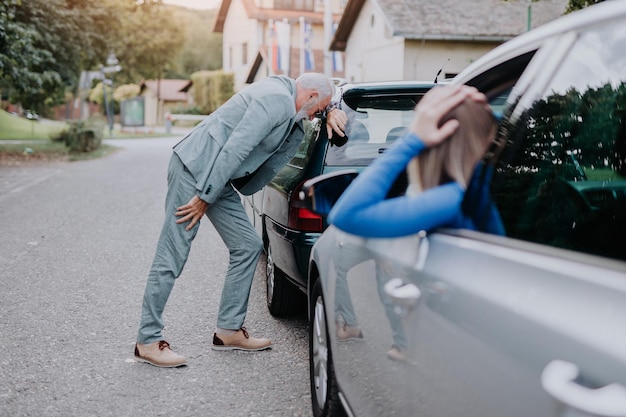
[283,298]
[324,389]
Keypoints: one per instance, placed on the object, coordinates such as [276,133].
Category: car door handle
[403,294]
[422,250]
[558,379]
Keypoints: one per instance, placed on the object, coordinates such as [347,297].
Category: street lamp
[111,68]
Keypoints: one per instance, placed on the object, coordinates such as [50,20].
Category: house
[415,39]
[163,96]
[266,37]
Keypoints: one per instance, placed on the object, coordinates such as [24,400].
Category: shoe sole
[220,347]
[139,359]
[359,338]
[351,339]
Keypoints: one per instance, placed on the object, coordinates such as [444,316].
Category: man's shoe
[346,333]
[158,354]
[396,354]
[240,340]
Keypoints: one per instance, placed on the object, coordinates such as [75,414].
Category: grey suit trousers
[231,222]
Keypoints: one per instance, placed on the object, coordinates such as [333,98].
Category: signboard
[133,112]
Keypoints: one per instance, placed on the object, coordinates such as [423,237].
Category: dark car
[467,323]
[377,114]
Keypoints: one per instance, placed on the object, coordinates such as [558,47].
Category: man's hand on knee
[191,212]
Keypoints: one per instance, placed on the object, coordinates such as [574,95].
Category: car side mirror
[319,194]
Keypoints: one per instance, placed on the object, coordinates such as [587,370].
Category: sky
[195,4]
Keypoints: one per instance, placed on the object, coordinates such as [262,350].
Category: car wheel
[283,298]
[324,389]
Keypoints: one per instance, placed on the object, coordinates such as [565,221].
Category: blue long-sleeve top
[363,209]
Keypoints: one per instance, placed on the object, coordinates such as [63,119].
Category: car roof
[352,94]
[590,16]
[385,86]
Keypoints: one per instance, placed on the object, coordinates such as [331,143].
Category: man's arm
[264,116]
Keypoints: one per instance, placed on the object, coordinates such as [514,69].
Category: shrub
[126,91]
[211,89]
[81,136]
[186,110]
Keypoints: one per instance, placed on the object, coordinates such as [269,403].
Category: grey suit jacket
[251,136]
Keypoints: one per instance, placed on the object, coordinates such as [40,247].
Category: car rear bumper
[291,250]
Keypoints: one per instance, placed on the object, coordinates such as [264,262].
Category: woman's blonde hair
[455,158]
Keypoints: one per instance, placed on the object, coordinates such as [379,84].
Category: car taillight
[301,218]
[305,220]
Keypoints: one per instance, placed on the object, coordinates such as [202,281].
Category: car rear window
[373,125]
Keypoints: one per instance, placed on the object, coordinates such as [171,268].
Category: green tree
[580,4]
[143,37]
[126,91]
[202,49]
[35,62]
[44,44]
[576,4]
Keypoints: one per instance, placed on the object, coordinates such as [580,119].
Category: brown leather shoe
[396,354]
[240,340]
[158,354]
[346,333]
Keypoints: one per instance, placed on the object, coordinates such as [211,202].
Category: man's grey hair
[318,82]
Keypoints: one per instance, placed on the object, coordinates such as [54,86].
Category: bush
[186,110]
[81,136]
[211,89]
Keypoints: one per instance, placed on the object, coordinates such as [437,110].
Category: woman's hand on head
[435,104]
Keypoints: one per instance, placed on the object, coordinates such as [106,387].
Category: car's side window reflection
[311,131]
[566,186]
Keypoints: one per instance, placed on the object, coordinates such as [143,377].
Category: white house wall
[150,108]
[239,32]
[423,59]
[373,54]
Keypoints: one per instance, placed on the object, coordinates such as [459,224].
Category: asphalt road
[76,243]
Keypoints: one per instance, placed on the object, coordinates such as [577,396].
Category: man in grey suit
[241,145]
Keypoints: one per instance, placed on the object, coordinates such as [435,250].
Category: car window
[373,125]
[564,181]
[311,130]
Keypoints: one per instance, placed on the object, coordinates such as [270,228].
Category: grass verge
[47,151]
[36,145]
[19,128]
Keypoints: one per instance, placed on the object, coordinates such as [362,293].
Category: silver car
[465,323]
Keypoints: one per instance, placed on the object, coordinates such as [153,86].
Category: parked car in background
[465,323]
[377,114]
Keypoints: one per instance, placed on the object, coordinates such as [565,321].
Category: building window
[244,54]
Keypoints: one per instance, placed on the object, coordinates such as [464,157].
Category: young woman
[452,128]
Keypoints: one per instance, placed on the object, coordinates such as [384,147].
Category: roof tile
[415,19]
